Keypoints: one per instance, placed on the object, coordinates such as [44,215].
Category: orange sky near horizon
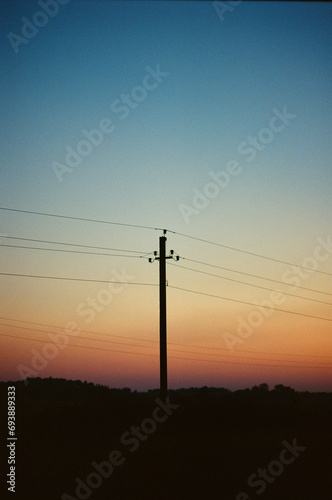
[205,346]
[221,135]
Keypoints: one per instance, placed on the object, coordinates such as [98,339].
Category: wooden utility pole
[162,311]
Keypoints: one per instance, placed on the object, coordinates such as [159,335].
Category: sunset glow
[162,115]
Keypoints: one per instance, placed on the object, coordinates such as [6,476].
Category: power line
[191,269]
[178,265]
[188,290]
[85,338]
[75,279]
[253,365]
[81,218]
[168,230]
[250,253]
[250,284]
[248,303]
[81,346]
[72,251]
[72,244]
[156,347]
[84,331]
[172,357]
[253,275]
[170,343]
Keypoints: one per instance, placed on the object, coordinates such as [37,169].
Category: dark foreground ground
[206,448]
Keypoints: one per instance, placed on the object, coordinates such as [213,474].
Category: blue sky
[224,80]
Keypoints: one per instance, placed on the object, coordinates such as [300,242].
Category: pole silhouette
[162,318]
[162,312]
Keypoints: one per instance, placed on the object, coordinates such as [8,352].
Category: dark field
[206,448]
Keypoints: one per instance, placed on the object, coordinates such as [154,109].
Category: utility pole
[162,311]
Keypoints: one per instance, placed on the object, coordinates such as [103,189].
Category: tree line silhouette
[208,447]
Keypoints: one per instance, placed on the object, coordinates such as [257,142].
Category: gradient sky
[224,80]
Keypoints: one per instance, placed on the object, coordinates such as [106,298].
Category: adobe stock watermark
[30,28]
[121,107]
[293,276]
[249,148]
[222,8]
[58,341]
[260,479]
[131,439]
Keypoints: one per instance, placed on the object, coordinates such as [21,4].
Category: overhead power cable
[81,346]
[84,331]
[253,365]
[250,284]
[171,349]
[254,276]
[72,244]
[85,338]
[249,303]
[168,230]
[80,218]
[251,253]
[170,343]
[76,279]
[73,251]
